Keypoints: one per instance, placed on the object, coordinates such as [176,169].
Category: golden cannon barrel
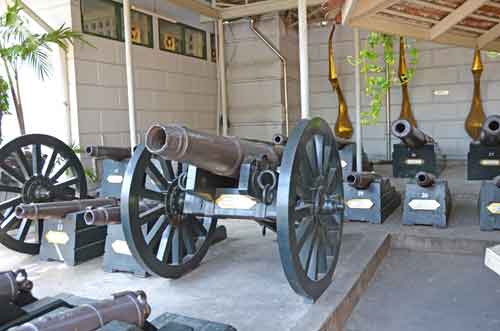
[60,209]
[425,179]
[220,155]
[360,180]
[127,307]
[490,132]
[13,283]
[409,135]
[105,152]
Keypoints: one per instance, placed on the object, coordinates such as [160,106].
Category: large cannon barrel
[105,152]
[222,156]
[490,132]
[127,307]
[425,179]
[409,135]
[361,180]
[60,209]
[13,284]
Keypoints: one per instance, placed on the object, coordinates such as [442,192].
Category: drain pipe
[284,70]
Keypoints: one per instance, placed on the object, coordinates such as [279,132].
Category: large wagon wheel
[35,168]
[310,208]
[165,242]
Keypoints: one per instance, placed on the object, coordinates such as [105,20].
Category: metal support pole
[357,77]
[284,72]
[129,64]
[303,59]
[388,136]
[222,75]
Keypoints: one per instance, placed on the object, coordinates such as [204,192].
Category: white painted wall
[440,67]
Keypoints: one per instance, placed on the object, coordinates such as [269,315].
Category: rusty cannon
[483,159]
[416,152]
[292,186]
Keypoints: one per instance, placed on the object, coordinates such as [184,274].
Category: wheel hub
[37,189]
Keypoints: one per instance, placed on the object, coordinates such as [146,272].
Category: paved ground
[433,292]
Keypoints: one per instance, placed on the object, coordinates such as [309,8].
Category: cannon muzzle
[409,135]
[60,209]
[360,180]
[112,153]
[490,132]
[13,284]
[425,179]
[102,216]
[128,307]
[496,181]
[222,156]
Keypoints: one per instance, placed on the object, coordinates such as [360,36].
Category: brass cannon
[291,186]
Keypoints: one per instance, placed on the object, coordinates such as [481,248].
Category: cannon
[294,189]
[59,209]
[416,152]
[489,205]
[483,159]
[347,154]
[427,201]
[369,197]
[108,153]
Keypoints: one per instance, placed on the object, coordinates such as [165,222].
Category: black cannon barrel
[220,155]
[128,307]
[13,283]
[409,135]
[490,132]
[106,152]
[425,179]
[102,216]
[496,181]
[60,209]
[361,180]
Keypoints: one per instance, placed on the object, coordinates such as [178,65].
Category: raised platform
[241,281]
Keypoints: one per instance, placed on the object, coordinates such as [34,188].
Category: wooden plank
[489,36]
[348,9]
[262,7]
[492,258]
[197,7]
[371,7]
[467,8]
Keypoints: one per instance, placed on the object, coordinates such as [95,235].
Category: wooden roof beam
[262,7]
[370,7]
[197,7]
[488,37]
[455,17]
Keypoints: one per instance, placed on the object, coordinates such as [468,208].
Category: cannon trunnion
[483,159]
[416,152]
[294,189]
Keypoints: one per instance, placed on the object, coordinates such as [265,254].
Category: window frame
[183,27]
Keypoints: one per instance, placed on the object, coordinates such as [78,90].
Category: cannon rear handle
[219,155]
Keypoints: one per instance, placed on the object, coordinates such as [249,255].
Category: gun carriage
[369,197]
[294,189]
[483,159]
[417,151]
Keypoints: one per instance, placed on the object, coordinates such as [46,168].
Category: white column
[222,76]
[357,78]
[129,64]
[303,60]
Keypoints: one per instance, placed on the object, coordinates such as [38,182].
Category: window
[182,39]
[102,18]
[213,48]
[171,37]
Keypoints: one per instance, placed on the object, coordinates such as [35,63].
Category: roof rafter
[370,7]
[489,36]
[262,7]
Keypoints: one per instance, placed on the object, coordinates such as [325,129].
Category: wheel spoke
[8,223]
[310,154]
[327,159]
[23,230]
[303,210]
[177,247]
[187,237]
[60,172]
[199,229]
[152,195]
[303,232]
[151,215]
[49,166]
[10,189]
[321,254]
[68,182]
[165,247]
[157,177]
[309,255]
[12,173]
[331,178]
[23,164]
[319,142]
[155,234]
[12,202]
[37,159]
[167,169]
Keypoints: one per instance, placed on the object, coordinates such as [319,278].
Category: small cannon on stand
[417,152]
[294,189]
[489,205]
[427,201]
[347,154]
[483,159]
[369,197]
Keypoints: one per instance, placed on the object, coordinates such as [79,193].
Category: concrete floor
[241,282]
